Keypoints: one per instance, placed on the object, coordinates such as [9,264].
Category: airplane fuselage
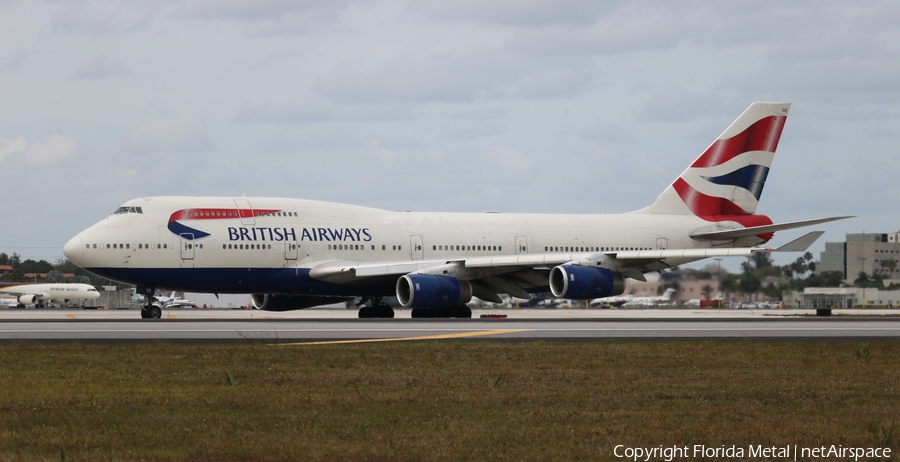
[31,293]
[268,245]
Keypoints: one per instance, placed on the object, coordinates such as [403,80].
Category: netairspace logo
[788,452]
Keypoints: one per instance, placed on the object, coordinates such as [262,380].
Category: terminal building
[872,253]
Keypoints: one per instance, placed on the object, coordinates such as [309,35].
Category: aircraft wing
[516,274]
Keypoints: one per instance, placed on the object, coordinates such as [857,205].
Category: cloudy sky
[440,105]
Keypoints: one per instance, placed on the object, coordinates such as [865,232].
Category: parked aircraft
[39,294]
[631,300]
[162,302]
[293,254]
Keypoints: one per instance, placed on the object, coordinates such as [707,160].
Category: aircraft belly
[242,281]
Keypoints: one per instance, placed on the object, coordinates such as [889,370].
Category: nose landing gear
[151,310]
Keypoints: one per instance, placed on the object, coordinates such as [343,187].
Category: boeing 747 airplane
[292,253]
[37,294]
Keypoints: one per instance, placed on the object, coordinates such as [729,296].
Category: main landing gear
[149,311]
[377,310]
[459,311]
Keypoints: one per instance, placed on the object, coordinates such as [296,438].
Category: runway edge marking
[405,339]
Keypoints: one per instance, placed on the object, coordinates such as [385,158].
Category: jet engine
[27,299]
[274,302]
[585,282]
[428,291]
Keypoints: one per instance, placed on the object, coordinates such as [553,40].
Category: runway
[213,327]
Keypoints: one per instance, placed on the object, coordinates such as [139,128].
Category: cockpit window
[123,209]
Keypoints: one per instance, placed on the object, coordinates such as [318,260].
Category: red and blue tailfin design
[726,181]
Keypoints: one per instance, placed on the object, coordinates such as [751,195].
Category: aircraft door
[662,243]
[521,245]
[245,211]
[290,250]
[187,246]
[416,247]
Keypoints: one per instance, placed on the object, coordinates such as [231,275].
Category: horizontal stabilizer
[802,243]
[757,230]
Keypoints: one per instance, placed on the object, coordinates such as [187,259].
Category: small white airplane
[631,300]
[293,254]
[161,301]
[38,294]
[663,299]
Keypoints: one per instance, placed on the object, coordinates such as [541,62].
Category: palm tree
[890,264]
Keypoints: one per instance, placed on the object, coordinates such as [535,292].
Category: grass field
[438,400]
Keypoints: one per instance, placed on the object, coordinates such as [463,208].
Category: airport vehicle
[39,294]
[293,253]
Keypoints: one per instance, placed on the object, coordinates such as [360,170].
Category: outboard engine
[27,299]
[585,282]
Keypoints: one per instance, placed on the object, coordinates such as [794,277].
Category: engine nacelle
[27,299]
[274,302]
[428,291]
[585,282]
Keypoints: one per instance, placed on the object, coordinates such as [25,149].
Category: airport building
[872,253]
[842,297]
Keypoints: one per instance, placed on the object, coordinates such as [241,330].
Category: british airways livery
[293,253]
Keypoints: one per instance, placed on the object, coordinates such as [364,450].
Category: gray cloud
[515,12]
[91,19]
[466,75]
[681,105]
[317,110]
[15,63]
[99,67]
[435,105]
[160,133]
[607,133]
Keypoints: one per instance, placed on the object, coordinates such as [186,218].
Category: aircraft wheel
[420,313]
[462,311]
[154,312]
[384,311]
[144,313]
[366,312]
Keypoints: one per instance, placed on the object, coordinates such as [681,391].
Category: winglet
[802,243]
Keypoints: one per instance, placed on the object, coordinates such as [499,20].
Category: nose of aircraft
[74,250]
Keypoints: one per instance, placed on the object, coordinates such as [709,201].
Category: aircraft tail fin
[728,178]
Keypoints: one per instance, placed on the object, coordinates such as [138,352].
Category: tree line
[54,271]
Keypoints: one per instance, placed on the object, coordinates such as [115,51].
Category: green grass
[438,400]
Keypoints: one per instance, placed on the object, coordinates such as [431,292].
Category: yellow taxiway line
[423,337]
